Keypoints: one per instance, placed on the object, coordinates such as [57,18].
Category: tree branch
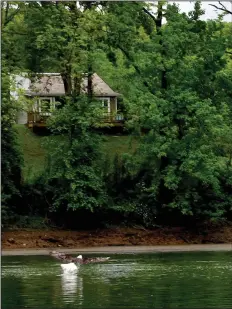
[222,5]
[149,13]
[145,83]
[10,17]
[222,8]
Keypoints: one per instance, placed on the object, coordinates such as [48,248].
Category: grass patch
[34,152]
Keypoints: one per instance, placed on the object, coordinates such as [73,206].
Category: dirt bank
[23,239]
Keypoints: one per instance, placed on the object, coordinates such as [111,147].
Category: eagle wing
[62,256]
[95,260]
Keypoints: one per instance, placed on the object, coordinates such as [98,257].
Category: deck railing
[37,118]
[113,117]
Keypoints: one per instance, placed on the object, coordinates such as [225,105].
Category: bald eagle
[77,260]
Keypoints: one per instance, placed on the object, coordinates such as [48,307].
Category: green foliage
[185,166]
[175,80]
[73,175]
[11,156]
[180,166]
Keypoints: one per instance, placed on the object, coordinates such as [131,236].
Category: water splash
[72,287]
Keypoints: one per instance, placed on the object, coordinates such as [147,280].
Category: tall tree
[65,36]
[11,156]
[181,165]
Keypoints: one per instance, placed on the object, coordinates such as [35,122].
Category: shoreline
[116,240]
[122,249]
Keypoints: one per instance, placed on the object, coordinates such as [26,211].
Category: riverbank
[47,239]
[123,250]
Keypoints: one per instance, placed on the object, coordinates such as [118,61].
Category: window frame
[102,99]
[52,105]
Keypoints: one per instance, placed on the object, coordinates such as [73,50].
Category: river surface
[161,280]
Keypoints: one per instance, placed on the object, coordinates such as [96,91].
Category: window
[105,104]
[46,106]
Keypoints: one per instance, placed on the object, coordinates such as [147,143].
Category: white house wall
[21,117]
[20,83]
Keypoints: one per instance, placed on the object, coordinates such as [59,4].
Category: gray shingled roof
[51,84]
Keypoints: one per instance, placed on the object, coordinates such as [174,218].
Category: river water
[161,280]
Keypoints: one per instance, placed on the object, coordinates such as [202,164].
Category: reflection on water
[180,280]
[72,287]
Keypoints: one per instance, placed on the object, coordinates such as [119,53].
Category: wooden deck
[39,120]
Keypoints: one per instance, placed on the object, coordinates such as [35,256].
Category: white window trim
[116,104]
[105,99]
[52,105]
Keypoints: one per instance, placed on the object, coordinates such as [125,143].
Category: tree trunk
[90,83]
[67,80]
[158,23]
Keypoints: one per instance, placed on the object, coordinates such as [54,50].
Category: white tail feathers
[70,267]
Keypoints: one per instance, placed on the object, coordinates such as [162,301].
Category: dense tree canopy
[174,71]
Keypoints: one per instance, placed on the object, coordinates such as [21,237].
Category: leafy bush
[10,153]
[73,175]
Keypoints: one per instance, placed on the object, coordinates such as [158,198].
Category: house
[47,88]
